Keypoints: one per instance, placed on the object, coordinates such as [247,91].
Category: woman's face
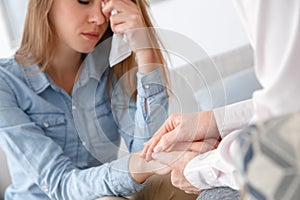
[79,24]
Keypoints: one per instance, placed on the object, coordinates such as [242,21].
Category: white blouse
[273,27]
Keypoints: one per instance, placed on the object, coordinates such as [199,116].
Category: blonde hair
[39,39]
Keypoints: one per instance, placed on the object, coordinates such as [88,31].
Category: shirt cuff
[199,171]
[233,116]
[121,179]
[151,83]
[208,171]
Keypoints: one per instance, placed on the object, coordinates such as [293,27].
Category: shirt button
[46,125]
[45,188]
[83,143]
[73,107]
[146,86]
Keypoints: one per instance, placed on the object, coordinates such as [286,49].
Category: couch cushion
[231,89]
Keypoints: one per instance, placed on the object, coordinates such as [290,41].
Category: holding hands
[197,131]
[179,140]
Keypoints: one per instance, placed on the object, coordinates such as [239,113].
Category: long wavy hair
[39,41]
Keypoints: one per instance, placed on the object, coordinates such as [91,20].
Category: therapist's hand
[177,161]
[196,146]
[189,127]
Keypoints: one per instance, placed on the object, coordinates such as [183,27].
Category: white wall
[213,24]
[12,15]
[5,49]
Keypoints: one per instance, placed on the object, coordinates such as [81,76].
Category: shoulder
[11,72]
[6,62]
[9,67]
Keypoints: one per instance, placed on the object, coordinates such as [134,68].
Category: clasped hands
[178,141]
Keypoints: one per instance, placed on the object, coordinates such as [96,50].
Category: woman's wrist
[138,168]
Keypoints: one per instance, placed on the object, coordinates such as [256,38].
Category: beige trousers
[157,188]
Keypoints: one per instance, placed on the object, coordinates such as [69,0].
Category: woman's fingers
[196,146]
[204,146]
[123,15]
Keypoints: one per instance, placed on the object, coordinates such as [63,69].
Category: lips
[91,35]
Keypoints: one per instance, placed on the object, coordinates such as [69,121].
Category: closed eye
[83,2]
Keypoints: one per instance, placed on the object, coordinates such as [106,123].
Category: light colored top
[52,139]
[274,32]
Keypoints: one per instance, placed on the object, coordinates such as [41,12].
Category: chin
[87,50]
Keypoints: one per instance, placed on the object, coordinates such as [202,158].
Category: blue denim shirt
[62,146]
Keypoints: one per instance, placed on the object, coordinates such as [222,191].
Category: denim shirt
[62,146]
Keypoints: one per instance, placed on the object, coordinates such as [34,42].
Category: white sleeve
[274,31]
[214,168]
[202,172]
[234,116]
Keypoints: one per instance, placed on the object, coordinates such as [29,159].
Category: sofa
[213,82]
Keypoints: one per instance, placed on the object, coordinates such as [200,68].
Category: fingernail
[154,155]
[157,149]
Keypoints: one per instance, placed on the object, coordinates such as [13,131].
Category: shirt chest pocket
[53,125]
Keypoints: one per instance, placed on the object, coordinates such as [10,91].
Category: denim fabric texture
[62,146]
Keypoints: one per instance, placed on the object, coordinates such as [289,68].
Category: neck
[64,69]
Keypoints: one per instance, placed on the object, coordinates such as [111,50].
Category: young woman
[58,96]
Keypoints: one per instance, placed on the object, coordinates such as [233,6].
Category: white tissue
[120,49]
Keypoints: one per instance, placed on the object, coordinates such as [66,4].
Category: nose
[96,16]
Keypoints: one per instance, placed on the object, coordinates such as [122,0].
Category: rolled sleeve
[233,116]
[121,180]
[42,164]
[150,84]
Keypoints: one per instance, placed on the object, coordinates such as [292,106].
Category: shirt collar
[93,66]
[36,80]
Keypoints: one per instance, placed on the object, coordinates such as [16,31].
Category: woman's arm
[44,163]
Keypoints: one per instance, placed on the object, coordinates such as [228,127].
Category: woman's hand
[182,128]
[195,146]
[127,19]
[123,15]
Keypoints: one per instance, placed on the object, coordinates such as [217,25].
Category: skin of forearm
[146,60]
[210,125]
[140,169]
